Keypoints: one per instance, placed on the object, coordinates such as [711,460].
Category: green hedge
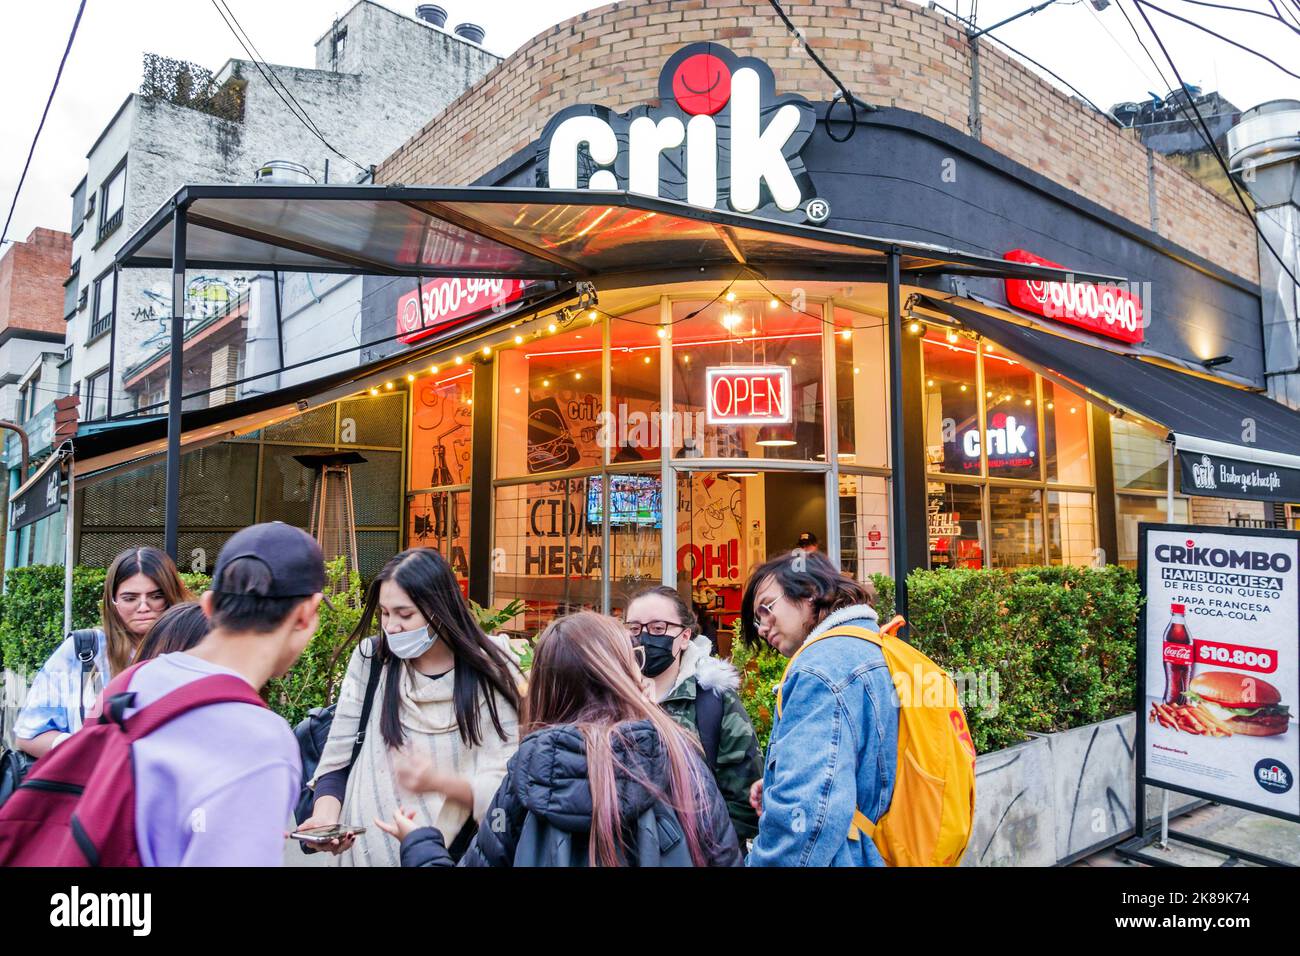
[1037,650]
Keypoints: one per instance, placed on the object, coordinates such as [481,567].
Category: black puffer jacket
[548,776]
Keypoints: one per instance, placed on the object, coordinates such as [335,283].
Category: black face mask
[659,654]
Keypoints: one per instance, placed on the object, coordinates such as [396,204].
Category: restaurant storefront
[656,394]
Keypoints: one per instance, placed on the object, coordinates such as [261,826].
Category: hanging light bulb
[952,337]
[731,296]
[487,351]
[551,328]
[730,320]
[773,303]
[662,333]
[410,378]
[388,385]
[374,391]
[914,328]
[433,370]
[459,360]
[519,340]
[546,383]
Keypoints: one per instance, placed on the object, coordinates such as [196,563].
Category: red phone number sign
[444,302]
[1104,309]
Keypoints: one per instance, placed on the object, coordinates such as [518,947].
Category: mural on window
[441,420]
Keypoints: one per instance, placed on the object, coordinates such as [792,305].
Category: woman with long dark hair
[139,586]
[444,719]
[604,778]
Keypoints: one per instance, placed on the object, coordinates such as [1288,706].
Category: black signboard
[1218,477]
[41,499]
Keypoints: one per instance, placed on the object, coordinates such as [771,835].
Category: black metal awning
[565,235]
[1203,417]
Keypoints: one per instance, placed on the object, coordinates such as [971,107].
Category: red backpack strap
[217,689]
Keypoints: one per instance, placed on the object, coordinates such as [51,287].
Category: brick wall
[1221,511]
[31,282]
[890,54]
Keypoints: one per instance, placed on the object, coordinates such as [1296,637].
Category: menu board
[1219,662]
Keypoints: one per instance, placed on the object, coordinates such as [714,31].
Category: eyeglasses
[763,613]
[657,628]
[129,599]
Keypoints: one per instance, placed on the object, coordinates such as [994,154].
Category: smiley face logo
[1000,420]
[702,84]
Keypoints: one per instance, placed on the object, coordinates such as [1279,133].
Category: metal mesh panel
[316,425]
[380,420]
[133,499]
[98,548]
[374,548]
[215,486]
[197,551]
[376,488]
[286,485]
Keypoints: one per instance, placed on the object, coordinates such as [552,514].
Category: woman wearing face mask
[443,724]
[700,693]
[139,586]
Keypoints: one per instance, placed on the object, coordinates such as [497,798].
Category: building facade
[568,461]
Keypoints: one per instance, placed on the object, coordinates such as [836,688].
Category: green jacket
[739,762]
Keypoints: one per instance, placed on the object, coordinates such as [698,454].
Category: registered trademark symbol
[817,210]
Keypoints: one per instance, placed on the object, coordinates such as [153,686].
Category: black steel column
[112,343]
[279,324]
[897,457]
[480,485]
[175,384]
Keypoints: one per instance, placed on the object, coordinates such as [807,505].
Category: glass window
[549,403]
[440,520]
[78,208]
[952,434]
[864,525]
[1011,417]
[1015,527]
[1071,536]
[861,382]
[1065,436]
[103,318]
[547,551]
[955,525]
[114,191]
[441,429]
[748,332]
[1133,509]
[1141,459]
[635,531]
[633,428]
[95,400]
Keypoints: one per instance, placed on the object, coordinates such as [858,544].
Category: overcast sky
[1097,52]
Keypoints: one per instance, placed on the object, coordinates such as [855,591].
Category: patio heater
[333,521]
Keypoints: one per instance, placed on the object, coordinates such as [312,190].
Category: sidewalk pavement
[1253,832]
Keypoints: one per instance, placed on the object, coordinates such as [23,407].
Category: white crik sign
[719,113]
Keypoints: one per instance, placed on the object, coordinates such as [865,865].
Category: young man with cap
[216,786]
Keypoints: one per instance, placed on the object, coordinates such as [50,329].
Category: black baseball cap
[292,556]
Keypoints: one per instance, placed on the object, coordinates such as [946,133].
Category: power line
[1102,23]
[30,152]
[1220,36]
[1209,139]
[1275,15]
[1077,92]
[849,98]
[276,88]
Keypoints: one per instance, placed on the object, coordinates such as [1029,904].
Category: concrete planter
[1058,797]
[1015,814]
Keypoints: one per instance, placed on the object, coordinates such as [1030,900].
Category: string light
[929,383]
[410,378]
[388,385]
[773,303]
[577,376]
[546,383]
[374,391]
[914,328]
[846,334]
[989,347]
[856,370]
[963,388]
[731,296]
[551,328]
[952,337]
[433,370]
[662,333]
[487,351]
[459,360]
[594,315]
[519,340]
[518,390]
[647,360]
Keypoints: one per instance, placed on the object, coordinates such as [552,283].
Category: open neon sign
[749,395]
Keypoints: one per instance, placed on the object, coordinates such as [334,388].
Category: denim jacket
[833,748]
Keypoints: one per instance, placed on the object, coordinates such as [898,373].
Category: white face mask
[410,644]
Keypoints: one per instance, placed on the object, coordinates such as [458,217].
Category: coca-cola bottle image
[1178,655]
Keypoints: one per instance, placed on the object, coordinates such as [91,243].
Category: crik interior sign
[749,395]
[720,138]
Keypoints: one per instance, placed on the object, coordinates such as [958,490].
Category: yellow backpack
[929,819]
